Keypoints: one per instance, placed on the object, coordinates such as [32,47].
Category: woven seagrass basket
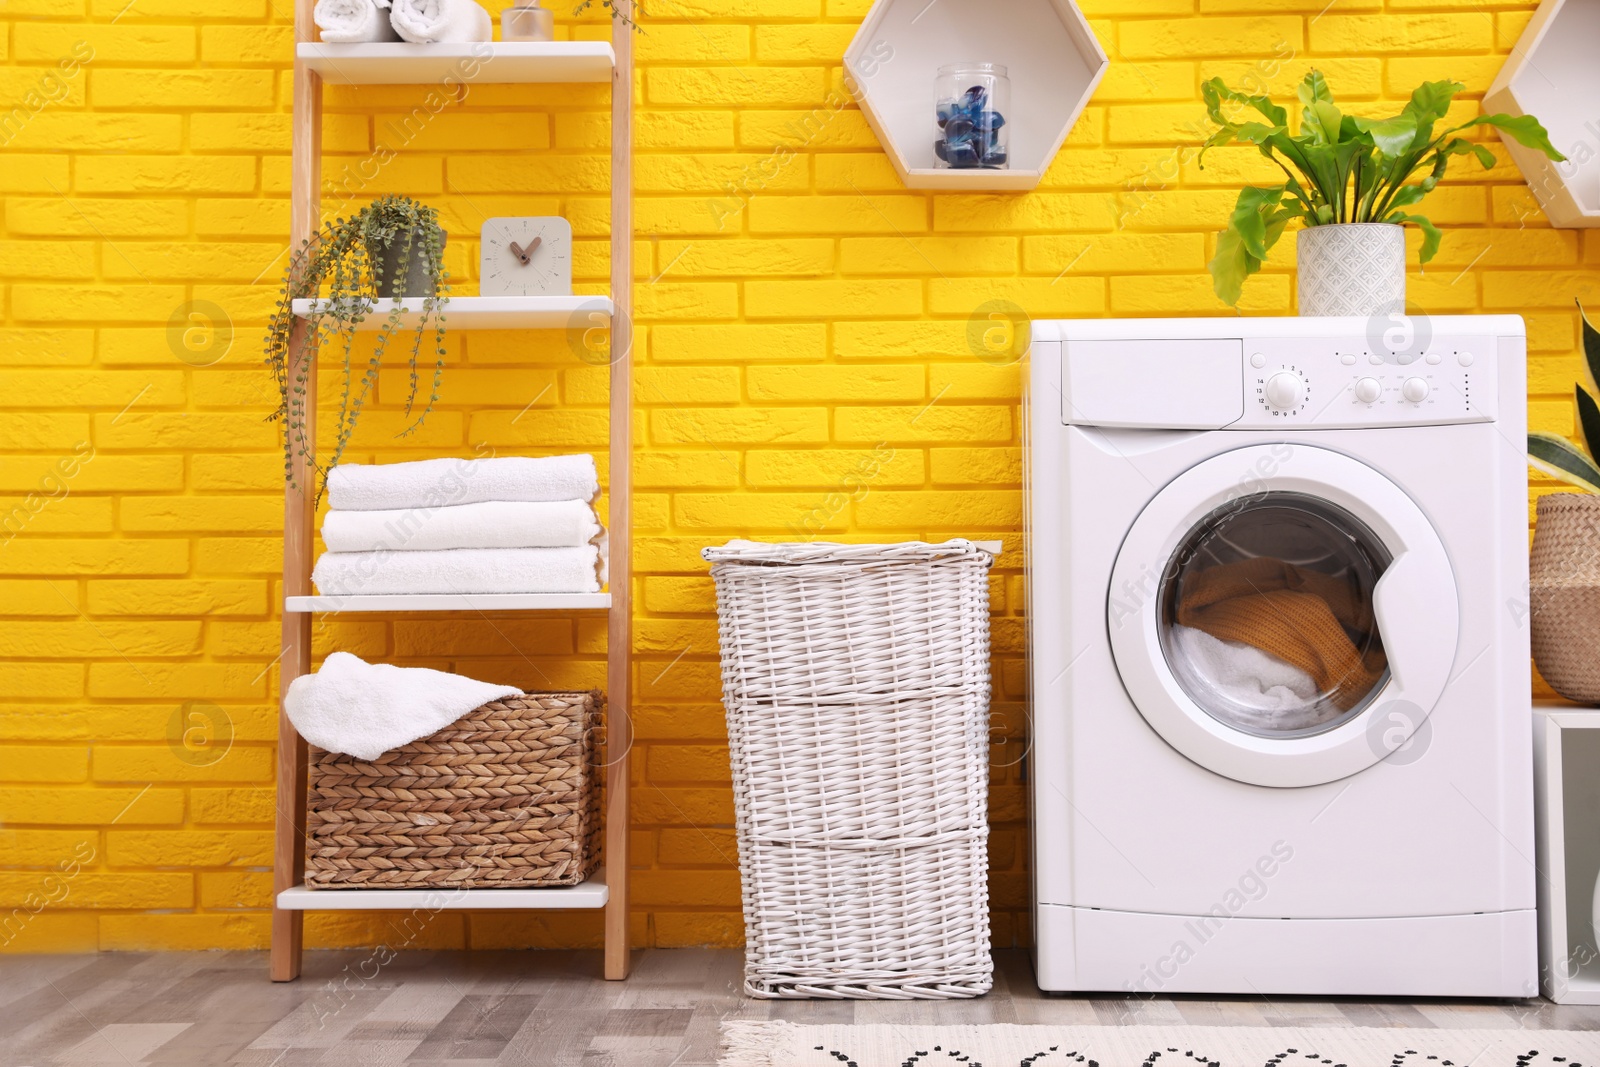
[856,681]
[503,797]
[1564,594]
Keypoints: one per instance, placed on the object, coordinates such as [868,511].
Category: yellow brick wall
[803,361]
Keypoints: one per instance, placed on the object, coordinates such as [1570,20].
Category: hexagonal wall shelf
[1053,60]
[1553,73]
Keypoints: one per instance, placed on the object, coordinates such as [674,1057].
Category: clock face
[526,255]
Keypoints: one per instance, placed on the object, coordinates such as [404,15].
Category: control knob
[1415,390]
[1285,390]
[1368,390]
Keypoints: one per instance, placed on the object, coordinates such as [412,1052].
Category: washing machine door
[1283,615]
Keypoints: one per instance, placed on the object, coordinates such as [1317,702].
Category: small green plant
[621,10]
[1559,457]
[340,269]
[1344,168]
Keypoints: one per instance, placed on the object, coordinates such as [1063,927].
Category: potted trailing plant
[393,247]
[1349,181]
[1564,568]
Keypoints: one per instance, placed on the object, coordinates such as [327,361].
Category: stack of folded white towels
[417,21]
[502,525]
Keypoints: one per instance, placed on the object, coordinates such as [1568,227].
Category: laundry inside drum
[1266,615]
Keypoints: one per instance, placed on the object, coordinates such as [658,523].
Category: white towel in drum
[441,21]
[463,570]
[432,483]
[354,21]
[365,709]
[1249,677]
[492,524]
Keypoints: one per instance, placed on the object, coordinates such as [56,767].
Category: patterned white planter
[1352,268]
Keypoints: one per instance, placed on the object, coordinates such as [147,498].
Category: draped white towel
[365,709]
[1260,688]
[354,21]
[432,483]
[441,21]
[462,570]
[492,524]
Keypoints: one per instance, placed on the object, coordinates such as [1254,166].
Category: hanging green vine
[340,269]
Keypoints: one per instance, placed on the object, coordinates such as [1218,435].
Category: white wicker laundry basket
[856,679]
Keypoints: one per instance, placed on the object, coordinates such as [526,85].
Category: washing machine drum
[1283,615]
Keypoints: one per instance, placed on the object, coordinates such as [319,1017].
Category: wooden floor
[549,1009]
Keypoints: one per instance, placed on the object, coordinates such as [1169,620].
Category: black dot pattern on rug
[940,1054]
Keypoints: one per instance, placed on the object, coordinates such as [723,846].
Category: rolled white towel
[354,21]
[462,570]
[365,709]
[433,483]
[441,21]
[493,524]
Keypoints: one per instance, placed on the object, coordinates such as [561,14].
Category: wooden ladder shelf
[562,61]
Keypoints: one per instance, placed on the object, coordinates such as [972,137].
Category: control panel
[1326,383]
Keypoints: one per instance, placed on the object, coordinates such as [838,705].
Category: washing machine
[1279,657]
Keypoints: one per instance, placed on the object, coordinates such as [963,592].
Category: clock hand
[517,251]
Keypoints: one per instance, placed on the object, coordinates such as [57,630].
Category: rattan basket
[856,680]
[503,797]
[1564,594]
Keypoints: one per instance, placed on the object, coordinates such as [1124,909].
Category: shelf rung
[503,62]
[590,894]
[491,312]
[451,602]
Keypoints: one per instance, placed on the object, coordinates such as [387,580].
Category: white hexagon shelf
[1052,57]
[1553,73]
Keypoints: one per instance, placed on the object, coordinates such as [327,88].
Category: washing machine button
[1285,390]
[1368,390]
[1258,359]
[1464,358]
[1435,358]
[1347,358]
[1415,390]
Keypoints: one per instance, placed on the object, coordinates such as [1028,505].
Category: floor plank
[554,1009]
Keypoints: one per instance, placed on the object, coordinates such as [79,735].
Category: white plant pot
[1352,268]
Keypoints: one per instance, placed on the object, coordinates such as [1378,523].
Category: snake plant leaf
[1588,418]
[1560,458]
[1393,137]
[1591,347]
[1430,233]
[1524,129]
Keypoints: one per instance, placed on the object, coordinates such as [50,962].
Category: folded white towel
[433,483]
[365,709]
[462,570]
[354,21]
[494,524]
[440,21]
[1255,687]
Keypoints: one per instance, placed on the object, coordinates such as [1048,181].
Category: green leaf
[1215,91]
[1249,222]
[1314,88]
[1559,458]
[1323,121]
[1393,137]
[1523,129]
[1430,233]
[1429,103]
[1253,228]
[1591,347]
[1588,418]
[1230,267]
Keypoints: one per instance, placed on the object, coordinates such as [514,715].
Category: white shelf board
[591,894]
[451,602]
[399,63]
[491,312]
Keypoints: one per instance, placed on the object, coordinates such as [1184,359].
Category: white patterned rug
[783,1044]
